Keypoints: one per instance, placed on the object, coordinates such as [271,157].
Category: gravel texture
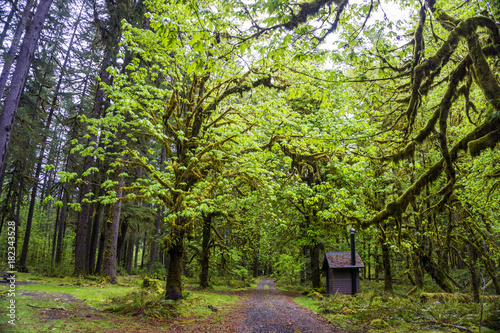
[267,309]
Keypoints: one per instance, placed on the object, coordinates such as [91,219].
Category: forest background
[245,138]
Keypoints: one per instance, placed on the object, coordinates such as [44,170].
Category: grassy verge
[88,305]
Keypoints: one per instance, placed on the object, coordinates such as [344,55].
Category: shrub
[143,303]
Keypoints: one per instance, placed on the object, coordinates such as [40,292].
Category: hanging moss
[407,153]
[488,141]
[484,136]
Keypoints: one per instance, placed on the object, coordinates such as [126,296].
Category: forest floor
[261,309]
[69,304]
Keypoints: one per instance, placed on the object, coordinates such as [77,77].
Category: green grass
[197,303]
[122,306]
[33,313]
[90,291]
[94,296]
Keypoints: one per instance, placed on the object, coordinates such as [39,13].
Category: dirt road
[267,309]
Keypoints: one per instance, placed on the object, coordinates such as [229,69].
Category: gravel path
[267,309]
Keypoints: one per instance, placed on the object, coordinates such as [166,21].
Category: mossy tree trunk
[256,265]
[111,248]
[303,270]
[418,272]
[437,273]
[386,262]
[94,239]
[102,242]
[173,289]
[205,249]
[316,265]
[121,242]
[111,243]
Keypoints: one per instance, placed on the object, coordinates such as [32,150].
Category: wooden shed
[339,272]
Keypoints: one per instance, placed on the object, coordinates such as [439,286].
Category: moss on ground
[376,311]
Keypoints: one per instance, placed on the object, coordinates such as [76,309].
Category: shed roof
[341,260]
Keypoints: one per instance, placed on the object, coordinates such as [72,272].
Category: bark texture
[19,77]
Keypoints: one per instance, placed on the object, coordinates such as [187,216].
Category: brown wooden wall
[340,281]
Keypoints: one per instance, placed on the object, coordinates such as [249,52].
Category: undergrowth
[150,302]
[377,311]
[143,303]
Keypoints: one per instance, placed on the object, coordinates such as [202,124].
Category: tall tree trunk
[110,37]
[130,255]
[55,157]
[11,53]
[303,269]
[121,243]
[2,178]
[154,246]
[315,265]
[256,260]
[8,21]
[417,264]
[122,256]
[96,227]
[60,225]
[54,238]
[144,242]
[102,240]
[159,220]
[205,249]
[18,205]
[136,254]
[173,289]
[376,263]
[418,272]
[19,77]
[34,189]
[73,134]
[369,261]
[386,262]
[83,227]
[111,242]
